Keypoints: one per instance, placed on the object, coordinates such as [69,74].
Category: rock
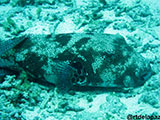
[151,97]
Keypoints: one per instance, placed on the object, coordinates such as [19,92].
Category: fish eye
[80,75]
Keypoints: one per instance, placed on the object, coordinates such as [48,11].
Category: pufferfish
[82,59]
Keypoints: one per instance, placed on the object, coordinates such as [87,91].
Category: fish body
[83,59]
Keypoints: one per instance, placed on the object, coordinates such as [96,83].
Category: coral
[153,83]
[10,26]
[38,12]
[21,3]
[68,2]
[97,26]
[93,116]
[103,2]
[114,105]
[64,106]
[4,1]
[92,16]
[40,2]
[8,83]
[151,92]
[151,97]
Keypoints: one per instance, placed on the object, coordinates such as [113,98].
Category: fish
[82,59]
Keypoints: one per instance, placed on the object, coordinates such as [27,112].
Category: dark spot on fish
[82,41]
[31,66]
[90,33]
[63,39]
[66,55]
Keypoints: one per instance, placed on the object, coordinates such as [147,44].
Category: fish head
[138,72]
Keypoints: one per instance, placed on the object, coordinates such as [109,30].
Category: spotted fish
[83,59]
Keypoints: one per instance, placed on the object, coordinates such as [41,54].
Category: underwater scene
[79,59]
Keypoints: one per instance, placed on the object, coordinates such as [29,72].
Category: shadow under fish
[82,59]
